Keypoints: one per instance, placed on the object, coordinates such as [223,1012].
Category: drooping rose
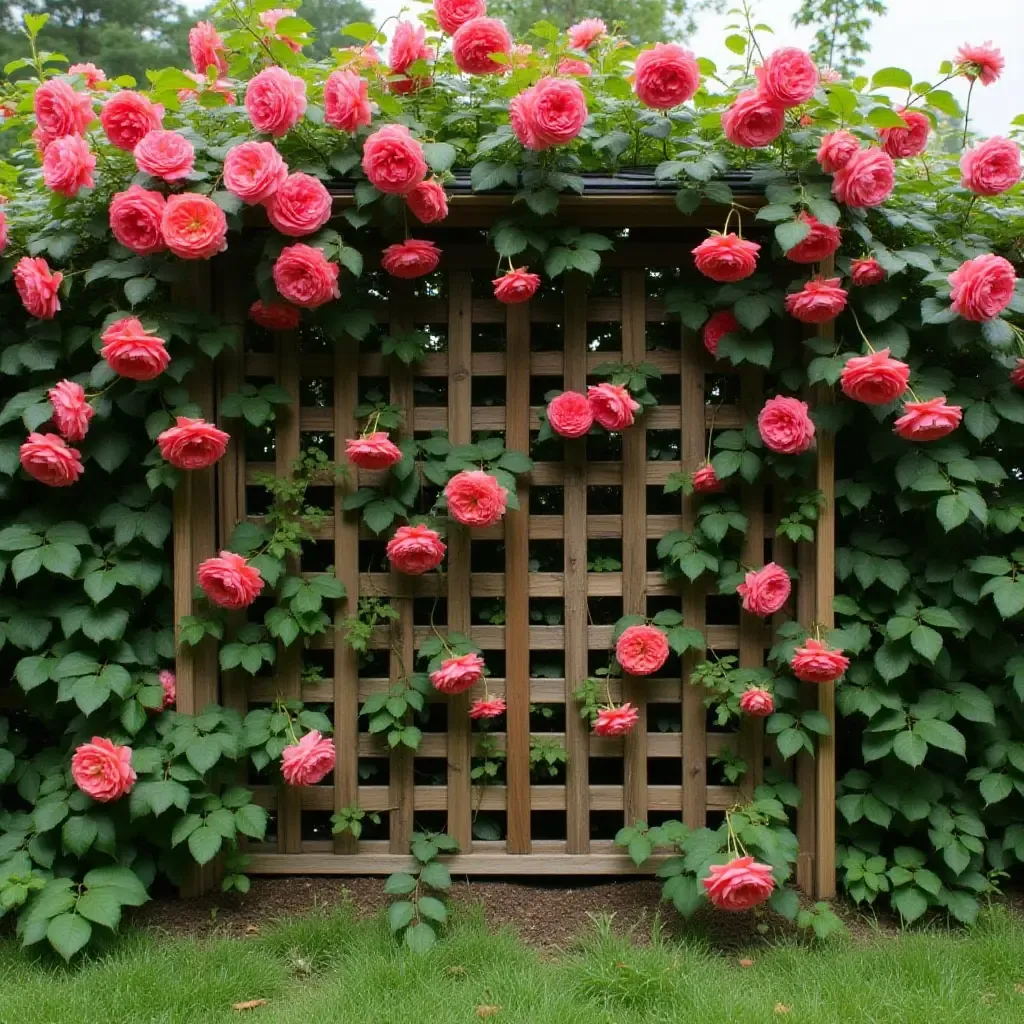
[50,461]
[300,206]
[1017,374]
[166,155]
[229,581]
[665,76]
[194,226]
[309,761]
[428,201]
[68,164]
[788,77]
[192,444]
[570,414]
[726,258]
[346,101]
[411,258]
[516,285]
[135,219]
[816,662]
[487,708]
[764,591]
[821,299]
[753,121]
[92,74]
[128,117]
[254,171]
[458,674]
[819,243]
[585,33]
[557,110]
[475,41]
[574,66]
[875,379]
[453,14]
[275,316]
[275,100]
[415,550]
[132,351]
[103,770]
[641,650]
[393,160]
[756,702]
[60,111]
[982,288]
[269,20]
[836,150]
[981,61]
[928,420]
[407,46]
[520,116]
[612,405]
[991,167]
[305,277]
[37,287]
[717,327]
[169,684]
[616,721]
[785,425]
[71,411]
[206,48]
[866,271]
[475,498]
[705,480]
[740,884]
[373,451]
[901,143]
[866,180]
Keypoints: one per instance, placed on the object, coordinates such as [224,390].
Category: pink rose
[194,226]
[705,480]
[820,300]
[740,884]
[616,721]
[411,258]
[135,218]
[456,675]
[487,708]
[71,411]
[928,420]
[475,498]
[254,171]
[982,288]
[558,111]
[407,47]
[584,34]
[613,406]
[68,164]
[221,87]
[166,155]
[570,414]
[169,684]
[305,277]
[991,167]
[641,650]
[866,271]
[785,426]
[300,206]
[453,14]
[1017,374]
[192,444]
[415,550]
[269,20]
[475,41]
[346,101]
[573,66]
[815,662]
[3,231]
[92,74]
[866,180]
[757,703]
[373,451]
[38,287]
[906,142]
[50,461]
[717,327]
[753,121]
[229,581]
[206,48]
[275,316]
[428,202]
[128,117]
[875,379]
[516,285]
[764,591]
[61,111]
[982,61]
[726,258]
[836,150]
[132,352]
[520,116]
[820,242]
[393,160]
[788,77]
[665,76]
[275,100]
[309,761]
[103,770]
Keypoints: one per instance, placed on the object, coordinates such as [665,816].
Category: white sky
[915,34]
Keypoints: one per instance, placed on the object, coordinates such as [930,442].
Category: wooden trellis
[555,341]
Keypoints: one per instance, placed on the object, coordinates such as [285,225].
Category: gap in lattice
[604,500]
[374,664]
[546,555]
[495,660]
[317,665]
[488,337]
[547,337]
[605,336]
[487,556]
[260,443]
[663,335]
[547,501]
[316,392]
[665,716]
[605,611]
[320,498]
[433,717]
[322,440]
[488,611]
[430,610]
[661,504]
[604,555]
[313,339]
[604,447]
[722,610]
[548,824]
[489,826]
[430,821]
[431,392]
[606,284]
[607,771]
[257,500]
[604,824]
[374,771]
[547,664]
[658,280]
[664,771]
[550,450]
[372,555]
[258,339]
[317,555]
[721,389]
[316,825]
[547,716]
[668,390]
[431,286]
[488,391]
[430,771]
[547,611]
[663,445]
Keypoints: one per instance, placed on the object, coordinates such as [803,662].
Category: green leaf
[432,908]
[951,511]
[138,289]
[910,748]
[78,834]
[203,753]
[251,820]
[399,884]
[995,787]
[101,906]
[981,420]
[926,641]
[910,902]
[439,156]
[204,844]
[941,734]
[436,875]
[400,915]
[129,888]
[895,78]
[791,233]
[68,933]
[420,938]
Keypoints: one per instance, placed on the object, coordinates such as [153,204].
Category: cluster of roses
[611,406]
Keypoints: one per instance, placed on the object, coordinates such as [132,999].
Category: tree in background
[842,26]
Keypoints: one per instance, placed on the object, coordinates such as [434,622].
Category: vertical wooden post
[577,648]
[806,773]
[517,600]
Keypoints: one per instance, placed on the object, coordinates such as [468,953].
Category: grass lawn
[339,970]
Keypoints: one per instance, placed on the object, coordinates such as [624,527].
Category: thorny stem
[711,427]
[967,116]
[750,30]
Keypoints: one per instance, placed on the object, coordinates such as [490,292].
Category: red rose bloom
[820,242]
[874,379]
[557,111]
[1017,374]
[866,271]
[788,77]
[229,581]
[815,662]
[718,326]
[753,121]
[428,202]
[165,155]
[346,101]
[169,684]
[206,48]
[740,884]
[254,171]
[475,498]
[928,420]
[456,675]
[38,287]
[103,770]
[867,179]
[901,143]
[411,258]
[71,411]
[520,116]
[305,277]
[517,285]
[570,414]
[275,100]
[487,708]
[415,550]
[135,218]
[372,451]
[820,300]
[991,167]
[275,316]
[612,405]
[50,461]
[982,288]
[705,480]
[757,703]
[132,352]
[475,41]
[194,226]
[641,650]
[60,111]
[300,206]
[128,117]
[585,33]
[982,61]
[407,47]
[836,150]
[309,761]
[726,258]
[393,160]
[68,164]
[665,76]
[192,444]
[616,721]
[764,591]
[453,14]
[785,425]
